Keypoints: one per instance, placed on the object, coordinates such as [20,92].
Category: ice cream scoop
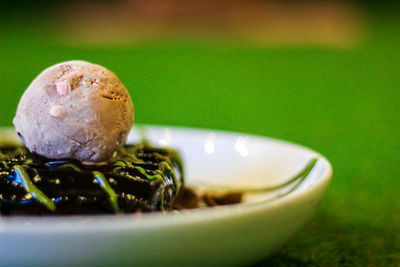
[76,110]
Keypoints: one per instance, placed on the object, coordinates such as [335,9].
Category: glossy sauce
[140,178]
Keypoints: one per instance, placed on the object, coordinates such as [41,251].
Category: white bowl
[231,235]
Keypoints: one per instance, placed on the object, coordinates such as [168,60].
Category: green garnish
[150,177]
[298,179]
[106,186]
[5,164]
[32,189]
[166,165]
[132,156]
[72,166]
[119,163]
[303,175]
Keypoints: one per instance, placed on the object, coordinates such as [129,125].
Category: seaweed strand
[32,189]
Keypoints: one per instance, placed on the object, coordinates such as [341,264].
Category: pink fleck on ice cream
[75,110]
[63,88]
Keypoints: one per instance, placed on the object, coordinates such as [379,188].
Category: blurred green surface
[342,102]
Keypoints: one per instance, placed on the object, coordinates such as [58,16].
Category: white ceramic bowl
[230,235]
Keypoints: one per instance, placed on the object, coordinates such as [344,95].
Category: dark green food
[141,178]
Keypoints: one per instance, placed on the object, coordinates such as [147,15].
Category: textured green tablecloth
[342,102]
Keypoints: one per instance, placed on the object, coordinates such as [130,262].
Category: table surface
[342,102]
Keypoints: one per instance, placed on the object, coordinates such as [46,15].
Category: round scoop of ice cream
[76,110]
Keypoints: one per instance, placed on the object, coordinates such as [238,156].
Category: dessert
[74,120]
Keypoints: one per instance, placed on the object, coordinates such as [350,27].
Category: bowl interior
[214,159]
[236,160]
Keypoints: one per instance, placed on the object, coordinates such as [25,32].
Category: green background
[342,102]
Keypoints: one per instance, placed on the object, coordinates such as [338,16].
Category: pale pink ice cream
[75,110]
